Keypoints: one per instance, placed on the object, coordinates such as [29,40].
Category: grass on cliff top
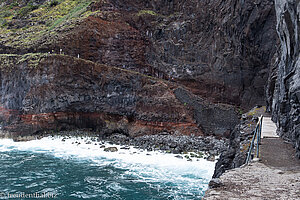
[74,13]
[23,24]
[9,61]
[48,12]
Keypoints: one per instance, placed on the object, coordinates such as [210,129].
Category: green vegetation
[75,12]
[240,111]
[33,59]
[9,61]
[23,25]
[27,9]
[146,12]
[254,111]
[53,3]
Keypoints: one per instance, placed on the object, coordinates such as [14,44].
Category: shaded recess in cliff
[221,50]
[283,90]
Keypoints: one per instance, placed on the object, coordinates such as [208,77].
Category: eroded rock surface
[209,53]
[57,92]
[240,138]
[220,50]
[284,82]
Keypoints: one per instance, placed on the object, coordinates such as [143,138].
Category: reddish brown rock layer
[218,49]
[57,92]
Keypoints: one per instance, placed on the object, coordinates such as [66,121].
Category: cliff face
[199,55]
[283,90]
[57,92]
[219,50]
[284,82]
[240,138]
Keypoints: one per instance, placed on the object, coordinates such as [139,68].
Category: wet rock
[211,158]
[183,143]
[111,149]
[173,145]
[176,151]
[178,156]
[215,183]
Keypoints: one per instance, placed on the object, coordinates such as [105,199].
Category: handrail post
[259,136]
[260,128]
[257,133]
[251,145]
[257,140]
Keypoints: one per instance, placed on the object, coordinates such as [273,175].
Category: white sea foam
[147,166]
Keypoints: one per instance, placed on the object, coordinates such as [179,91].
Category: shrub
[147,12]
[53,3]
[3,22]
[27,9]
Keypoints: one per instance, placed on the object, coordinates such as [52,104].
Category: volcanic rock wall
[56,92]
[284,82]
[178,63]
[283,90]
[220,50]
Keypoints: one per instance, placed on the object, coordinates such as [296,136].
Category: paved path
[257,181]
[274,151]
[268,128]
[276,176]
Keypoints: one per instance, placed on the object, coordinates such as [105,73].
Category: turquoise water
[69,171]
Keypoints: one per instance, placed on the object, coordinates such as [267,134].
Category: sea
[55,167]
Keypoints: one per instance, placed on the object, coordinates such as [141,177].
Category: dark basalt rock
[111,149]
[214,119]
[240,138]
[41,92]
[283,90]
[208,53]
[173,143]
[220,50]
[215,183]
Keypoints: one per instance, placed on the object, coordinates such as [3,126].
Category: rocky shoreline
[186,147]
[231,153]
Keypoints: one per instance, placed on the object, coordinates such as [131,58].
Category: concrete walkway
[276,176]
[274,151]
[268,128]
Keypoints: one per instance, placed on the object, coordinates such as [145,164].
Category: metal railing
[257,136]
